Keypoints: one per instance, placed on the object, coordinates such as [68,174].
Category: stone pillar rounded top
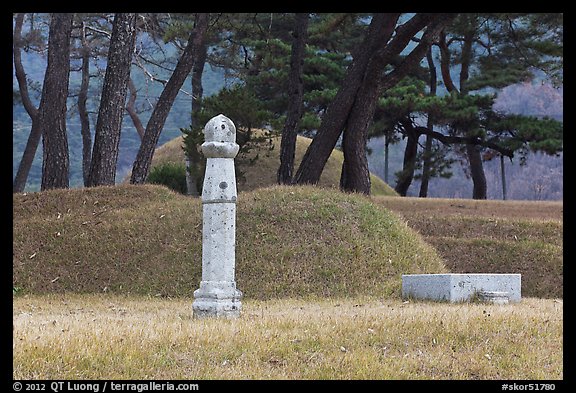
[220,138]
[220,129]
[219,148]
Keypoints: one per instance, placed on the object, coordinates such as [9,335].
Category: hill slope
[484,236]
[291,241]
[261,172]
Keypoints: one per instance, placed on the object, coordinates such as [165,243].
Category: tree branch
[470,140]
[484,45]
[131,109]
[414,57]
[154,78]
[445,63]
[100,31]
[517,43]
[19,68]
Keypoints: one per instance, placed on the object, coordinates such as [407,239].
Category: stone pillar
[217,295]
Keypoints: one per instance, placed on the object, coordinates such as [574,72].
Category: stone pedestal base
[217,299]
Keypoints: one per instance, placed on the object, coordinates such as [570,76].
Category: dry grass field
[115,337]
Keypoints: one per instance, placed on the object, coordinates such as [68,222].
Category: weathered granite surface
[218,295]
[462,287]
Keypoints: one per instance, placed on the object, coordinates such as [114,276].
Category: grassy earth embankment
[291,241]
[489,236]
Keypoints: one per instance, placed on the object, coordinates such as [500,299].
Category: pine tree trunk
[52,109]
[445,60]
[83,111]
[296,92]
[477,172]
[193,164]
[433,81]
[480,188]
[380,30]
[386,156]
[131,109]
[503,174]
[426,165]
[156,122]
[197,87]
[111,111]
[27,157]
[410,153]
[192,188]
[355,176]
[472,151]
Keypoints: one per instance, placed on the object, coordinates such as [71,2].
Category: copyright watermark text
[102,386]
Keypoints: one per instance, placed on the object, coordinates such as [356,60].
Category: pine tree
[495,132]
[494,51]
[353,107]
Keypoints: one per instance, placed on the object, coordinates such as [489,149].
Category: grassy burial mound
[290,242]
[259,165]
[487,236]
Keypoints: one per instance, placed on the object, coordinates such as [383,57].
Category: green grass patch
[171,175]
